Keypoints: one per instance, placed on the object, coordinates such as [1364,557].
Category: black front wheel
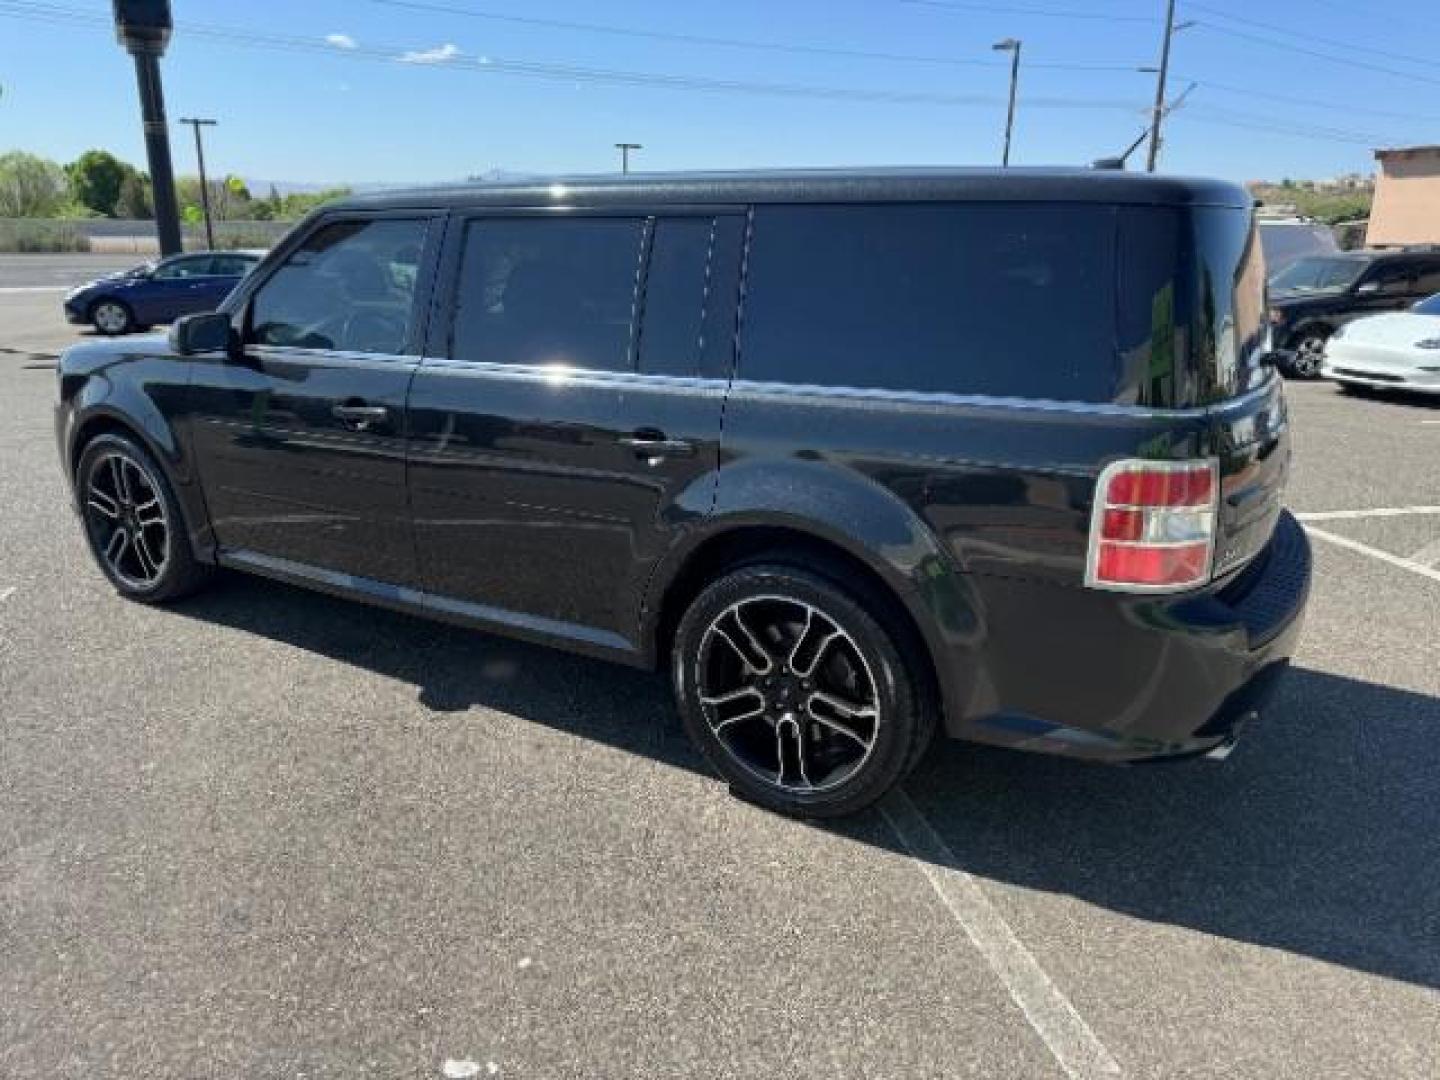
[1308,354]
[134,523]
[798,692]
[112,317]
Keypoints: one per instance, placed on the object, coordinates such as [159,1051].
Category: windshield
[1317,274]
[138,271]
[1429,306]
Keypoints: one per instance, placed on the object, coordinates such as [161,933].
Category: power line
[561,72]
[1309,103]
[1012,9]
[1302,50]
[1285,31]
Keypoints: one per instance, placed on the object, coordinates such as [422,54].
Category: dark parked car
[850,454]
[158,292]
[1312,298]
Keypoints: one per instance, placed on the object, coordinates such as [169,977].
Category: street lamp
[197,124]
[1012,46]
[625,148]
[143,27]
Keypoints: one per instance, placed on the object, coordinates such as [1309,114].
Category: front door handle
[648,443]
[360,417]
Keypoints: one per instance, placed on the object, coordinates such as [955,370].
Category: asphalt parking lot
[270,834]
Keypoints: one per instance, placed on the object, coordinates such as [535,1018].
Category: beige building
[1407,198]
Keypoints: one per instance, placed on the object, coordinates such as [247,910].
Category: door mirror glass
[205,333]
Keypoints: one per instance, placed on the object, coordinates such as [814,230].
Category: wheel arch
[728,544]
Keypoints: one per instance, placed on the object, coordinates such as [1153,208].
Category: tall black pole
[143,27]
[1010,113]
[1159,113]
[204,185]
[157,152]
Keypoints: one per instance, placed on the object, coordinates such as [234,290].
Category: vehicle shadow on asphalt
[1320,835]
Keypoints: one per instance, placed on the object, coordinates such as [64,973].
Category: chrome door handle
[656,445]
[361,416]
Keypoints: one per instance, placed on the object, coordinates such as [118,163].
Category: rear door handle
[360,416]
[653,444]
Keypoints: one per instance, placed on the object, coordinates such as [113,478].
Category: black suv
[1312,298]
[852,454]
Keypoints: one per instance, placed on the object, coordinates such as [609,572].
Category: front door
[302,446]
[569,427]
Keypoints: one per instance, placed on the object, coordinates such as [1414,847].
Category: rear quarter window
[1010,300]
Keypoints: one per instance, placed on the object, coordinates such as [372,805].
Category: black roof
[819,186]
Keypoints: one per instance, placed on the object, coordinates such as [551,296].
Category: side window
[192,266]
[690,291]
[548,291]
[1429,280]
[1392,278]
[1008,300]
[229,266]
[350,286]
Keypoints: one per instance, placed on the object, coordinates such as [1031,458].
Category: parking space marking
[1077,1049]
[1355,515]
[1375,553]
[1429,555]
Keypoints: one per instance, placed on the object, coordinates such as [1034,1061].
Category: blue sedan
[158,292]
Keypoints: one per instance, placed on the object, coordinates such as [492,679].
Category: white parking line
[1429,555]
[1380,511]
[1375,553]
[1080,1053]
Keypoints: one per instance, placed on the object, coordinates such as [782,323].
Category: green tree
[135,201]
[30,186]
[95,180]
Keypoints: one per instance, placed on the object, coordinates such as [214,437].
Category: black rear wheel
[112,317]
[797,693]
[134,523]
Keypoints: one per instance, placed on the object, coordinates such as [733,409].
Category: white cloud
[441,54]
[341,41]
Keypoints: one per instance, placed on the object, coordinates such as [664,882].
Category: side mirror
[1370,288]
[205,333]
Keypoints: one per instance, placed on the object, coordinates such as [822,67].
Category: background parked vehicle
[158,292]
[1315,295]
[1396,351]
[1285,241]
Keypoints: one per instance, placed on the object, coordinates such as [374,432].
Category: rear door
[302,445]
[567,426]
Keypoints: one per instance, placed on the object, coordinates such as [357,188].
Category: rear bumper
[1115,678]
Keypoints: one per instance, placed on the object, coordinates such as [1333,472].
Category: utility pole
[143,27]
[1012,46]
[1159,112]
[197,124]
[625,148]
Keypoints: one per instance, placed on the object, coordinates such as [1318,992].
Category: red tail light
[1153,527]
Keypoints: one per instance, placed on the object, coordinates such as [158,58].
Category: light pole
[143,27]
[197,124]
[625,148]
[1171,29]
[1012,46]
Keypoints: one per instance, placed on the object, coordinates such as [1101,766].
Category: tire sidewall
[894,684]
[179,566]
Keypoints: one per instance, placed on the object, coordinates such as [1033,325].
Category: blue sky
[293,107]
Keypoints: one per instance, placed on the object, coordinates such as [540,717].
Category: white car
[1399,350]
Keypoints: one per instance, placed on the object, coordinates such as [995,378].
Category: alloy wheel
[127,521]
[788,694]
[1308,356]
[111,317]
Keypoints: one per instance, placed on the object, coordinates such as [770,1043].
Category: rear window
[1010,300]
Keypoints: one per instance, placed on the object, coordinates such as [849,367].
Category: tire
[1307,351]
[112,317]
[806,706]
[133,523]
